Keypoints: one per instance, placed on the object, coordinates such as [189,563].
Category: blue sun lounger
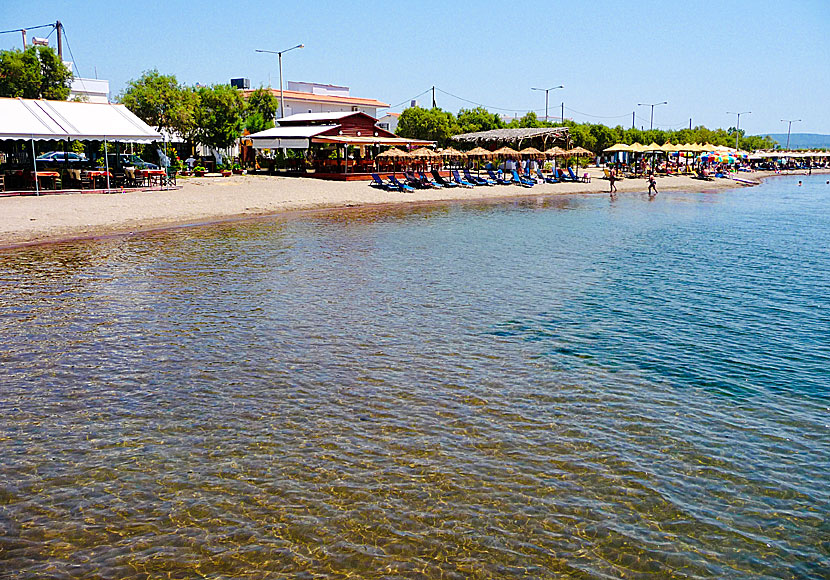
[477,180]
[460,180]
[399,185]
[441,181]
[523,182]
[378,182]
[572,176]
[429,182]
[546,178]
[496,178]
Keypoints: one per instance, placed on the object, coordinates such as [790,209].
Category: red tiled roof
[311,97]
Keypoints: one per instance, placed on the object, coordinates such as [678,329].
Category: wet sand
[49,218]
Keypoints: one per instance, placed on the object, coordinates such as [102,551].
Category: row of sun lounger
[412,181]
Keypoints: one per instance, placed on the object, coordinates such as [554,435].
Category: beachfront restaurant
[339,146]
[25,122]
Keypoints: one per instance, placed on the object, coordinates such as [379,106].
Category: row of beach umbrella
[424,154]
[670,148]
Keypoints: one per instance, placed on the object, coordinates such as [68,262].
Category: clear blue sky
[704,58]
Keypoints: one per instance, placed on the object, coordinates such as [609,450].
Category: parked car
[61,157]
[130,160]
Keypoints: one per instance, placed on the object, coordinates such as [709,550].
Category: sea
[544,387]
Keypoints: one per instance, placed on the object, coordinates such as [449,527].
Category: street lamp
[738,126]
[651,126]
[789,126]
[279,55]
[546,97]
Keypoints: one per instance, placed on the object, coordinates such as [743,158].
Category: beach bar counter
[340,146]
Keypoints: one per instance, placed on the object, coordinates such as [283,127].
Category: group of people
[652,184]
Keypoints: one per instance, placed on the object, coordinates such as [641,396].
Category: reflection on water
[542,388]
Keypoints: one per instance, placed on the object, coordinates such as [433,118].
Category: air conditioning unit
[355,109]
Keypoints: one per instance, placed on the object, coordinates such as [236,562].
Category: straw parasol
[506,152]
[579,152]
[638,148]
[531,153]
[451,153]
[652,148]
[555,152]
[479,153]
[423,153]
[393,153]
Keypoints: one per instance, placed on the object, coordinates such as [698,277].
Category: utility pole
[563,112]
[690,123]
[789,126]
[546,97]
[433,96]
[738,126]
[652,110]
[59,28]
[632,119]
[279,57]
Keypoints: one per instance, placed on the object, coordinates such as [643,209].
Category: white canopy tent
[39,120]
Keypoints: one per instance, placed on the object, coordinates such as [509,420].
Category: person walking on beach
[612,178]
[652,185]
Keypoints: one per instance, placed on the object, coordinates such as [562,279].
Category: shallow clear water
[564,387]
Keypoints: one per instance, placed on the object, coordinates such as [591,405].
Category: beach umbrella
[423,153]
[479,153]
[531,153]
[617,148]
[450,153]
[394,153]
[555,152]
[506,153]
[579,152]
[637,148]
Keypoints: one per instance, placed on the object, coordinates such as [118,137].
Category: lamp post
[738,126]
[789,126]
[651,126]
[546,97]
[279,55]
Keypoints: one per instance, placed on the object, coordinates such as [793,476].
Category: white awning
[58,120]
[287,137]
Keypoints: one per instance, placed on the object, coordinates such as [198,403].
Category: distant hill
[803,140]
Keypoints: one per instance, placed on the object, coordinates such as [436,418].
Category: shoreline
[32,220]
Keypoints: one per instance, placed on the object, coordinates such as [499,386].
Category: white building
[89,90]
[301,97]
[389,122]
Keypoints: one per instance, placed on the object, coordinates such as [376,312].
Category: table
[94,176]
[48,176]
[151,176]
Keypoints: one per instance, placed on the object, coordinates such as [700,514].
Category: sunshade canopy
[59,120]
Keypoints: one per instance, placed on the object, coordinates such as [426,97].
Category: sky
[768,60]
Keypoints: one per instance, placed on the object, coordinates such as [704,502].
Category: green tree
[478,119]
[428,124]
[159,100]
[260,110]
[219,116]
[34,73]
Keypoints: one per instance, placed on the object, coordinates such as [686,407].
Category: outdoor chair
[429,182]
[460,181]
[497,179]
[546,178]
[522,181]
[477,180]
[572,176]
[439,179]
[377,181]
[414,181]
[399,185]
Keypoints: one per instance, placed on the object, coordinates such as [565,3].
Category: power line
[29,28]
[596,116]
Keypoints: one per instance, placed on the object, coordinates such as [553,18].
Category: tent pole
[34,160]
[107,162]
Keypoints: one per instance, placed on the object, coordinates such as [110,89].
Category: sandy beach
[49,218]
